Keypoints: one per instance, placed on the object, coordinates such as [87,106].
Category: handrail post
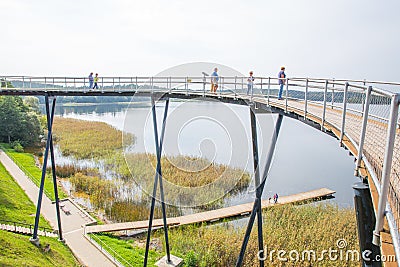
[235,87]
[187,86]
[363,129]
[252,90]
[333,93]
[220,86]
[305,100]
[324,108]
[287,94]
[204,84]
[346,87]
[387,165]
[261,87]
[269,89]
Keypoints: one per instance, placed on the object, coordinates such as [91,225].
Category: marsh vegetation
[122,194]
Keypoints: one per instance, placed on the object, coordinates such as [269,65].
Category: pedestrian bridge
[362,115]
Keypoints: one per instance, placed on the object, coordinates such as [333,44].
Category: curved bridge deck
[363,117]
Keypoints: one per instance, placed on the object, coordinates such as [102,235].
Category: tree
[33,103]
[18,122]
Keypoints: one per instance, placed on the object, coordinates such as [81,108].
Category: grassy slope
[14,203]
[27,163]
[127,250]
[15,249]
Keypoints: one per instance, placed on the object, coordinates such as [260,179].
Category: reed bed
[303,229]
[188,181]
[87,139]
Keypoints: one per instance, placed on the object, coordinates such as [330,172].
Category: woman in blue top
[214,80]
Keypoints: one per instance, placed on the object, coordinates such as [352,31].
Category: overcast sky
[312,38]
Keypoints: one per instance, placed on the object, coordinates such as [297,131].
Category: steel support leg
[257,202]
[49,147]
[158,177]
[53,168]
[253,122]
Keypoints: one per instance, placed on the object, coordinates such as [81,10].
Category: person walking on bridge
[250,82]
[96,80]
[214,80]
[91,80]
[282,81]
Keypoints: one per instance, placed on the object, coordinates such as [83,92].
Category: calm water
[305,158]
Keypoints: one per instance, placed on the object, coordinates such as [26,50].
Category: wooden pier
[213,215]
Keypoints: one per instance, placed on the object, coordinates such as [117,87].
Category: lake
[305,158]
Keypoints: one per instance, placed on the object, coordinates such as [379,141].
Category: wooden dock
[213,215]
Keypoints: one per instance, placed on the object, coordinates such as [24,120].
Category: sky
[349,39]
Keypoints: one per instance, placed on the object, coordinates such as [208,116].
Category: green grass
[14,203]
[309,227]
[126,249]
[26,162]
[17,250]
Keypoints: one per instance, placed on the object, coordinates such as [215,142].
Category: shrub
[17,146]
[191,259]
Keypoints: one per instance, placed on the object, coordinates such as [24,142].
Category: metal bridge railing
[365,112]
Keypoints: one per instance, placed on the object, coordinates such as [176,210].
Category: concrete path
[71,224]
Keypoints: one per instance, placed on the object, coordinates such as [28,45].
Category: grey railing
[364,112]
[114,256]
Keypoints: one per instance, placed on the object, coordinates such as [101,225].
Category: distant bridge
[360,114]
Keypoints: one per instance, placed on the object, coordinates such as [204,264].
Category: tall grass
[187,180]
[68,170]
[289,227]
[86,139]
[300,228]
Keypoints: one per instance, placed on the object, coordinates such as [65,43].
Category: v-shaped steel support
[158,178]
[49,147]
[259,186]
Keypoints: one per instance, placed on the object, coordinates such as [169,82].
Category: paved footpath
[71,224]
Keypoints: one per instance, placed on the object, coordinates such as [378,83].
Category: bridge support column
[363,130]
[259,190]
[49,147]
[387,165]
[253,122]
[158,178]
